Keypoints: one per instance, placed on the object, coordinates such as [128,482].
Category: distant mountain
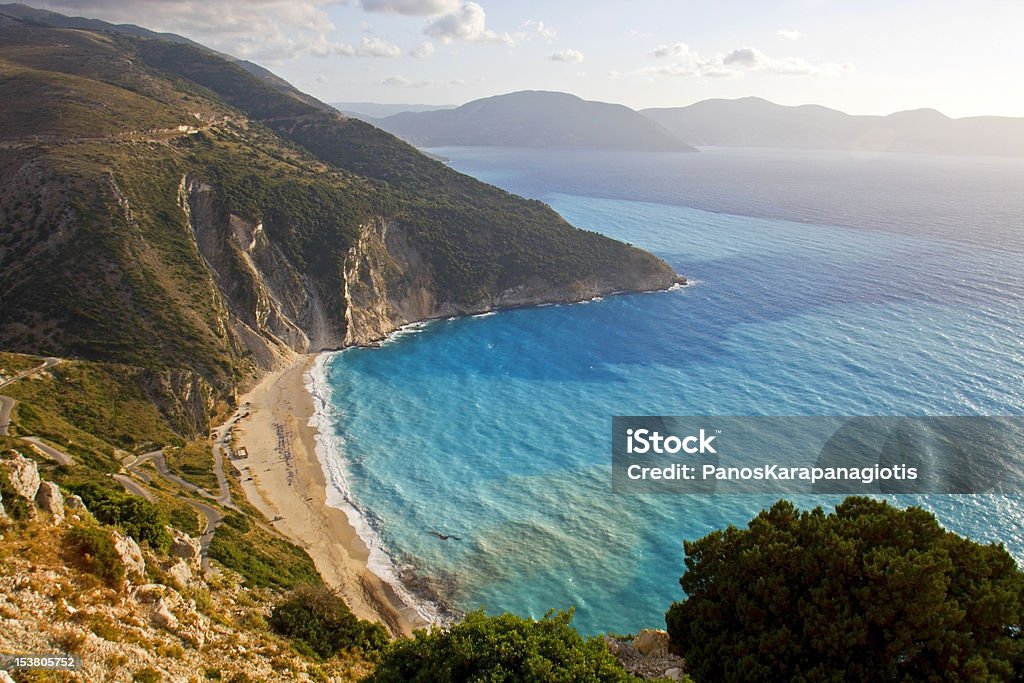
[375,110]
[755,122]
[535,119]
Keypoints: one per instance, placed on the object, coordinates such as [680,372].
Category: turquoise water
[823,284]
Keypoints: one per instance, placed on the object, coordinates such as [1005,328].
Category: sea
[473,454]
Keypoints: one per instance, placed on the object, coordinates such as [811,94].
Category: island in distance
[562,121]
[534,118]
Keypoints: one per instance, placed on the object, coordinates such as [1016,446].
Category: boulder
[163,616]
[181,573]
[674,674]
[131,555]
[651,642]
[73,502]
[3,513]
[23,475]
[5,677]
[185,547]
[50,500]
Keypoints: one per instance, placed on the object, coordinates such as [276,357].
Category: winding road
[134,480]
[7,403]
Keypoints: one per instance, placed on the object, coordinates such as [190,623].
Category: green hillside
[100,258]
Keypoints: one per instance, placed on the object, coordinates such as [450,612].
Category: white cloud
[536,28]
[419,8]
[403,82]
[368,47]
[423,50]
[263,30]
[468,23]
[671,50]
[789,34]
[752,59]
[377,47]
[567,55]
[742,60]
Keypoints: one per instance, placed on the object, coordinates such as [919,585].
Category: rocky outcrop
[130,555]
[647,656]
[23,475]
[274,309]
[49,500]
[184,396]
[389,283]
[163,617]
[185,547]
[651,642]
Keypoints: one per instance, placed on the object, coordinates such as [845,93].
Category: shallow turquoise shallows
[474,453]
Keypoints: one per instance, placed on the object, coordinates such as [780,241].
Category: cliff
[389,283]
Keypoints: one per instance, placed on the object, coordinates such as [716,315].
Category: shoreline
[285,475]
[282,477]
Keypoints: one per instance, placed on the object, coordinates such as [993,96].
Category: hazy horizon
[873,58]
[450,105]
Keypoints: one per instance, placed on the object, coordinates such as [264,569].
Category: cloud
[671,50]
[789,34]
[567,55]
[469,23]
[752,59]
[263,30]
[423,50]
[418,8]
[403,82]
[377,47]
[687,63]
[536,28]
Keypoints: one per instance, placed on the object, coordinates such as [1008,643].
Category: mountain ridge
[756,122]
[167,208]
[535,118]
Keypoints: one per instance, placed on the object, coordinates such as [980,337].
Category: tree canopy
[869,592]
[502,649]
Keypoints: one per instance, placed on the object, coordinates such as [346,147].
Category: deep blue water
[824,284]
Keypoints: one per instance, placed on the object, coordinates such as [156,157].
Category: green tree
[319,622]
[870,592]
[502,649]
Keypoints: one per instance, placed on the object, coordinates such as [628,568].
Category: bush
[93,551]
[504,648]
[264,561]
[321,623]
[870,592]
[135,516]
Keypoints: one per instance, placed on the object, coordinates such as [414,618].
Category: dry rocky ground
[164,622]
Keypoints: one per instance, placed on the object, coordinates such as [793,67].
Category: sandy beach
[289,487]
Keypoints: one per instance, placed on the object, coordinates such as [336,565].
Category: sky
[962,57]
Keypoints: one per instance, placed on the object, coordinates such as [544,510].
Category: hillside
[755,122]
[166,208]
[534,119]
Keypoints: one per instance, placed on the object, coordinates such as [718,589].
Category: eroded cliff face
[274,309]
[389,283]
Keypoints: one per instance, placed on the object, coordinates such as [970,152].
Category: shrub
[320,622]
[870,592]
[93,551]
[504,648]
[135,516]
